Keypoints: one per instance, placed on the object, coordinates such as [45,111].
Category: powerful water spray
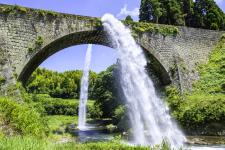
[149,116]
[84,90]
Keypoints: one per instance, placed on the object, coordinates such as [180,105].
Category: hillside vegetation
[199,13]
[203,110]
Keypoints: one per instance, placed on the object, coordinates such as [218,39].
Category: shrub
[23,119]
[59,106]
[94,111]
[119,113]
[111,128]
[203,109]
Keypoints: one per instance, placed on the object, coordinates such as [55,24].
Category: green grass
[203,109]
[60,121]
[212,74]
[31,143]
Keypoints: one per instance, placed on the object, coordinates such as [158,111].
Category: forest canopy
[199,13]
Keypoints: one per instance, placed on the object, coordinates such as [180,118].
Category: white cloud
[125,12]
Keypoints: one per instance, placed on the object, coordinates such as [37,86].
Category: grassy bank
[202,111]
[21,119]
[31,143]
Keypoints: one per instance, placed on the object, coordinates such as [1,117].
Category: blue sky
[73,57]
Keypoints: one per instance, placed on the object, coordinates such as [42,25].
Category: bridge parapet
[29,36]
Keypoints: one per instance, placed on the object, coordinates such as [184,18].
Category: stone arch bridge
[29,36]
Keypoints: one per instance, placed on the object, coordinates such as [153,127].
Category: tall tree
[172,13]
[188,11]
[208,15]
[129,19]
[150,11]
[146,14]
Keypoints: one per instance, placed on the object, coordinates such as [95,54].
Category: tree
[188,11]
[145,13]
[129,19]
[105,91]
[171,13]
[150,11]
[208,15]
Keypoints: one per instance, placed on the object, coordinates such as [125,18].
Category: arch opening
[86,37]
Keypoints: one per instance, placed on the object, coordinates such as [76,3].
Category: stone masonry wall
[27,39]
[182,52]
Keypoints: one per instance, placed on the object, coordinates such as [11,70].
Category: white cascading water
[149,116]
[84,90]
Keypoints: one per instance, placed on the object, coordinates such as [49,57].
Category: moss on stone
[141,27]
[43,13]
[38,43]
[7,9]
[2,80]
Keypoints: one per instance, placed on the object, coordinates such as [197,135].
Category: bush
[59,106]
[119,113]
[23,119]
[202,111]
[94,111]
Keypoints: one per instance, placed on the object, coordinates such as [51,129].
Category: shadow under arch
[78,38]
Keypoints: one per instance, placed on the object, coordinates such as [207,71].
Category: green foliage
[162,11]
[129,19]
[173,98]
[22,143]
[58,106]
[22,118]
[111,128]
[212,74]
[58,121]
[98,22]
[106,92]
[171,12]
[39,41]
[31,143]
[188,11]
[208,15]
[48,13]
[198,13]
[2,80]
[40,13]
[94,111]
[203,110]
[13,9]
[119,113]
[61,85]
[150,10]
[140,27]
[61,107]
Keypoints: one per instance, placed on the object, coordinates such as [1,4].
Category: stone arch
[84,37]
